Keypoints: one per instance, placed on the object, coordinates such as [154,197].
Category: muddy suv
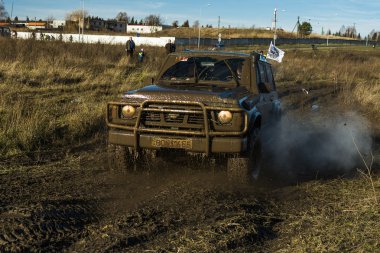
[202,102]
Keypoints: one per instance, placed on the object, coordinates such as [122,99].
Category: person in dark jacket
[130,47]
[170,47]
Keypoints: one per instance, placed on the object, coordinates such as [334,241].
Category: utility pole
[218,23]
[275,26]
[84,20]
[199,28]
[12,10]
[297,26]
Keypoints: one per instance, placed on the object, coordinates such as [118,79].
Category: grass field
[53,97]
[54,94]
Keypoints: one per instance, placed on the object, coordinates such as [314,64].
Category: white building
[58,24]
[143,29]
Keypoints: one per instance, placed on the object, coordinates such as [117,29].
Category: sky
[322,14]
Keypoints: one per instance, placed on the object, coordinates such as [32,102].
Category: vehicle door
[266,88]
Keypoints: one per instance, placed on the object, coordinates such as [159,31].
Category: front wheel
[246,167]
[120,158]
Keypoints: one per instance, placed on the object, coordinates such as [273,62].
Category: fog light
[225,117]
[128,111]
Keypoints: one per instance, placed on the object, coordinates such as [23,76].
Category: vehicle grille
[190,117]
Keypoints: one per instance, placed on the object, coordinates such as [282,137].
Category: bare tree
[175,23]
[3,13]
[370,35]
[153,20]
[186,23]
[122,16]
[348,31]
[342,30]
[76,15]
[196,24]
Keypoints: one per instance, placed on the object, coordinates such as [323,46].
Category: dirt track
[76,204]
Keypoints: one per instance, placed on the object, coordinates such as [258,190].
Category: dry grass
[183,32]
[335,216]
[54,94]
[228,33]
[354,72]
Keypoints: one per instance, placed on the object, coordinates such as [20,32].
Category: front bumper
[199,144]
[205,140]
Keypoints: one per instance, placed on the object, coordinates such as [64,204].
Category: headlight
[128,111]
[225,117]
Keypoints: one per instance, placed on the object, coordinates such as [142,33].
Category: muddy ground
[76,204]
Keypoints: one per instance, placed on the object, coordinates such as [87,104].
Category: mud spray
[317,147]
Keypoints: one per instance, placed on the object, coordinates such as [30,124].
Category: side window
[262,79]
[262,73]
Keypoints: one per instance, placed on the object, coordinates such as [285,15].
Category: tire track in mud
[193,211]
[49,226]
[46,209]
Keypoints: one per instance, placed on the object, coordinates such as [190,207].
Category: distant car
[208,102]
[5,31]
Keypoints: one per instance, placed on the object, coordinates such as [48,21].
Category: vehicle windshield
[205,70]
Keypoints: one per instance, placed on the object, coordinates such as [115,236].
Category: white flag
[274,53]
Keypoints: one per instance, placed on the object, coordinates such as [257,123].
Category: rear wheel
[246,167]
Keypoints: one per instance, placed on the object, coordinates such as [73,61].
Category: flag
[274,53]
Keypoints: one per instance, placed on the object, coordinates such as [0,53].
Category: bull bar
[137,130]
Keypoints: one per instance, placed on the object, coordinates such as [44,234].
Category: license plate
[172,143]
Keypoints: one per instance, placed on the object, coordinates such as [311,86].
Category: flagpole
[275,27]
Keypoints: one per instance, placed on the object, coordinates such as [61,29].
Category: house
[97,24]
[116,26]
[56,24]
[143,29]
[36,25]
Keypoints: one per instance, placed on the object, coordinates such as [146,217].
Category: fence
[161,41]
[264,41]
[89,38]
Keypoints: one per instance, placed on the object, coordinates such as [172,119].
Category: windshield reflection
[205,69]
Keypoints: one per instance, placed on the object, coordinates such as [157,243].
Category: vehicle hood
[181,93]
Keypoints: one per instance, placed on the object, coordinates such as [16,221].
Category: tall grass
[354,72]
[53,94]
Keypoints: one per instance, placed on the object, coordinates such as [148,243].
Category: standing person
[170,47]
[130,47]
[141,55]
[262,56]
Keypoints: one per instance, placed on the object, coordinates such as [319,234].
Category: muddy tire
[148,160]
[246,168]
[120,158]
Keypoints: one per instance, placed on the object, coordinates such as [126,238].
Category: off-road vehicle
[202,102]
